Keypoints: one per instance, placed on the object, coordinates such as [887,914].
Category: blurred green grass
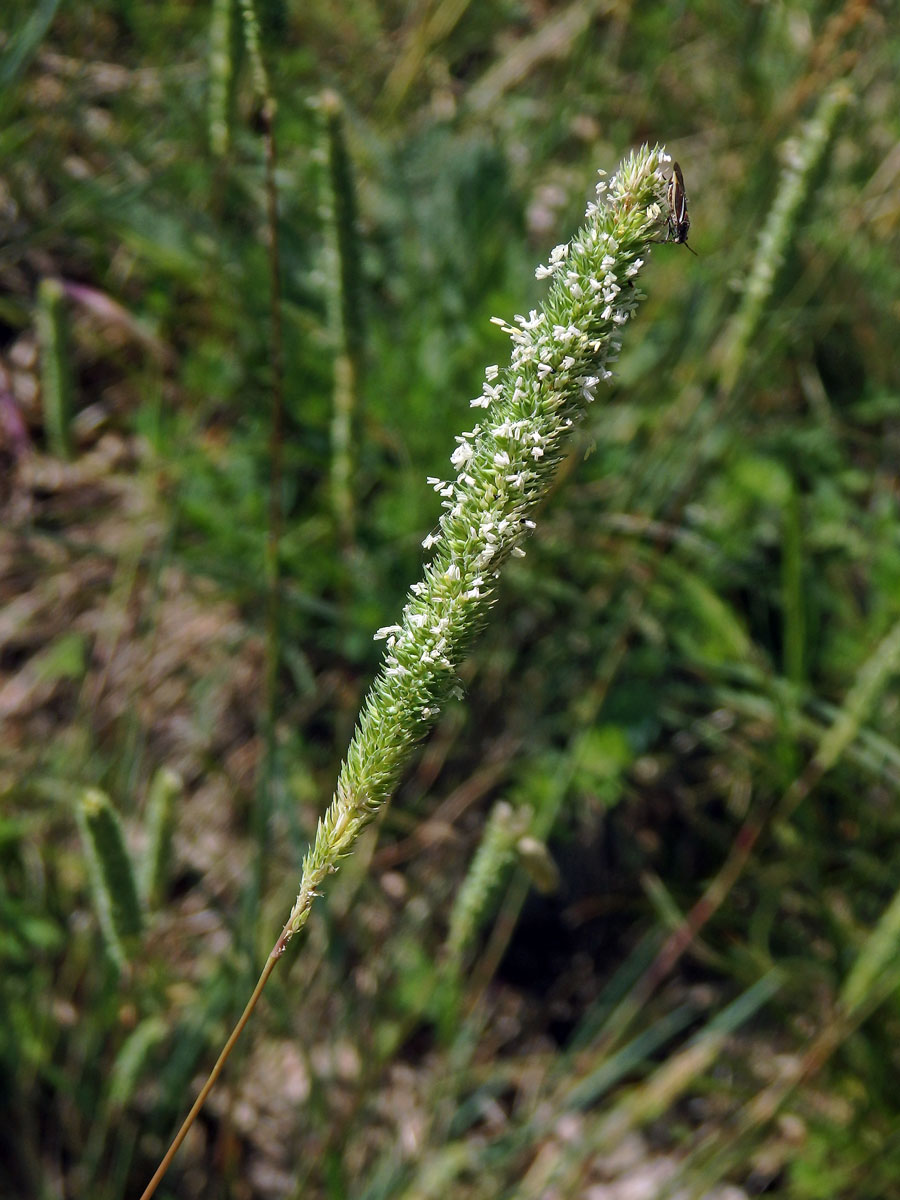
[701,598]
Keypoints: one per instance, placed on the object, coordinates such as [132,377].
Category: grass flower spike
[561,355]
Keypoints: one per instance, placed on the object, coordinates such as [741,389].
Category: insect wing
[679,221]
[677,199]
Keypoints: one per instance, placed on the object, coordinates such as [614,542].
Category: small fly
[679,223]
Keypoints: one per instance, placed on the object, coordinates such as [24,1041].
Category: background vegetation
[688,691]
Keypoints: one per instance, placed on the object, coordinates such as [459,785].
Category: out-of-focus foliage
[699,642]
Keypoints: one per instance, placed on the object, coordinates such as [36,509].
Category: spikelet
[501,470]
[111,874]
[165,788]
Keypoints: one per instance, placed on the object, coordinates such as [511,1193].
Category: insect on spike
[679,223]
